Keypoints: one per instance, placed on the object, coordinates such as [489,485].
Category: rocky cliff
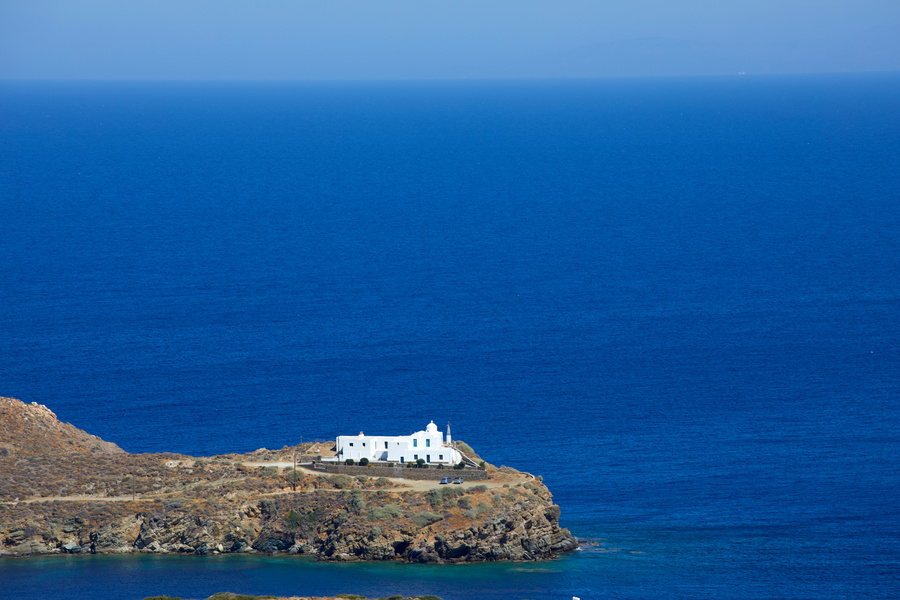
[63,490]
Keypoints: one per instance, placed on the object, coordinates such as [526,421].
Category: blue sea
[677,300]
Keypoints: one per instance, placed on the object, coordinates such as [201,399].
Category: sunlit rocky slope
[64,490]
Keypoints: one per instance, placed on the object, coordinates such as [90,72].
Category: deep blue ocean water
[678,300]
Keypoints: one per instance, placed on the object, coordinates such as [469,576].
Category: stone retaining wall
[402,472]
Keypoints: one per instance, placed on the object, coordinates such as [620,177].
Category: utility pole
[294,472]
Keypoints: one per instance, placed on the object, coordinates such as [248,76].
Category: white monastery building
[428,445]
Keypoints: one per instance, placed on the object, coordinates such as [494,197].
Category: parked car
[445,480]
[458,480]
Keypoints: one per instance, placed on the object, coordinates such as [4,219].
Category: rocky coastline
[66,491]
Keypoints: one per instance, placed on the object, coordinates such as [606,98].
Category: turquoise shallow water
[674,299]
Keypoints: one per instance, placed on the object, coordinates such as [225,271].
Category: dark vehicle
[457,480]
[445,480]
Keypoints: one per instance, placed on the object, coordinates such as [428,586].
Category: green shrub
[425,518]
[443,496]
[435,497]
[362,478]
[464,502]
[482,508]
[364,462]
[383,513]
[349,461]
[356,502]
[268,472]
[292,520]
[382,481]
[341,482]
[479,488]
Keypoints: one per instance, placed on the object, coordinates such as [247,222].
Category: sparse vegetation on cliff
[63,490]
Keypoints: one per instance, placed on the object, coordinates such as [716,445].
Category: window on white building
[351,444]
[440,457]
[385,445]
[415,443]
[428,443]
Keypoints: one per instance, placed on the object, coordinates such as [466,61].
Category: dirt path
[77,499]
[415,485]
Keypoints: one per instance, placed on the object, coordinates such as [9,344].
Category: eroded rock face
[526,529]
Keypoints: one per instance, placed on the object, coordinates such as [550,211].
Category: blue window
[428,443]
[415,443]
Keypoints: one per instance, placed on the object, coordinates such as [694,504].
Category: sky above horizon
[417,39]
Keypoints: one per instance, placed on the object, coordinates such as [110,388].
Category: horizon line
[436,79]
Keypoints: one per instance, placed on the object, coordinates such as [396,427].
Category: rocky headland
[63,490]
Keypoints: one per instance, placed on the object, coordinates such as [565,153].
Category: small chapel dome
[432,428]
